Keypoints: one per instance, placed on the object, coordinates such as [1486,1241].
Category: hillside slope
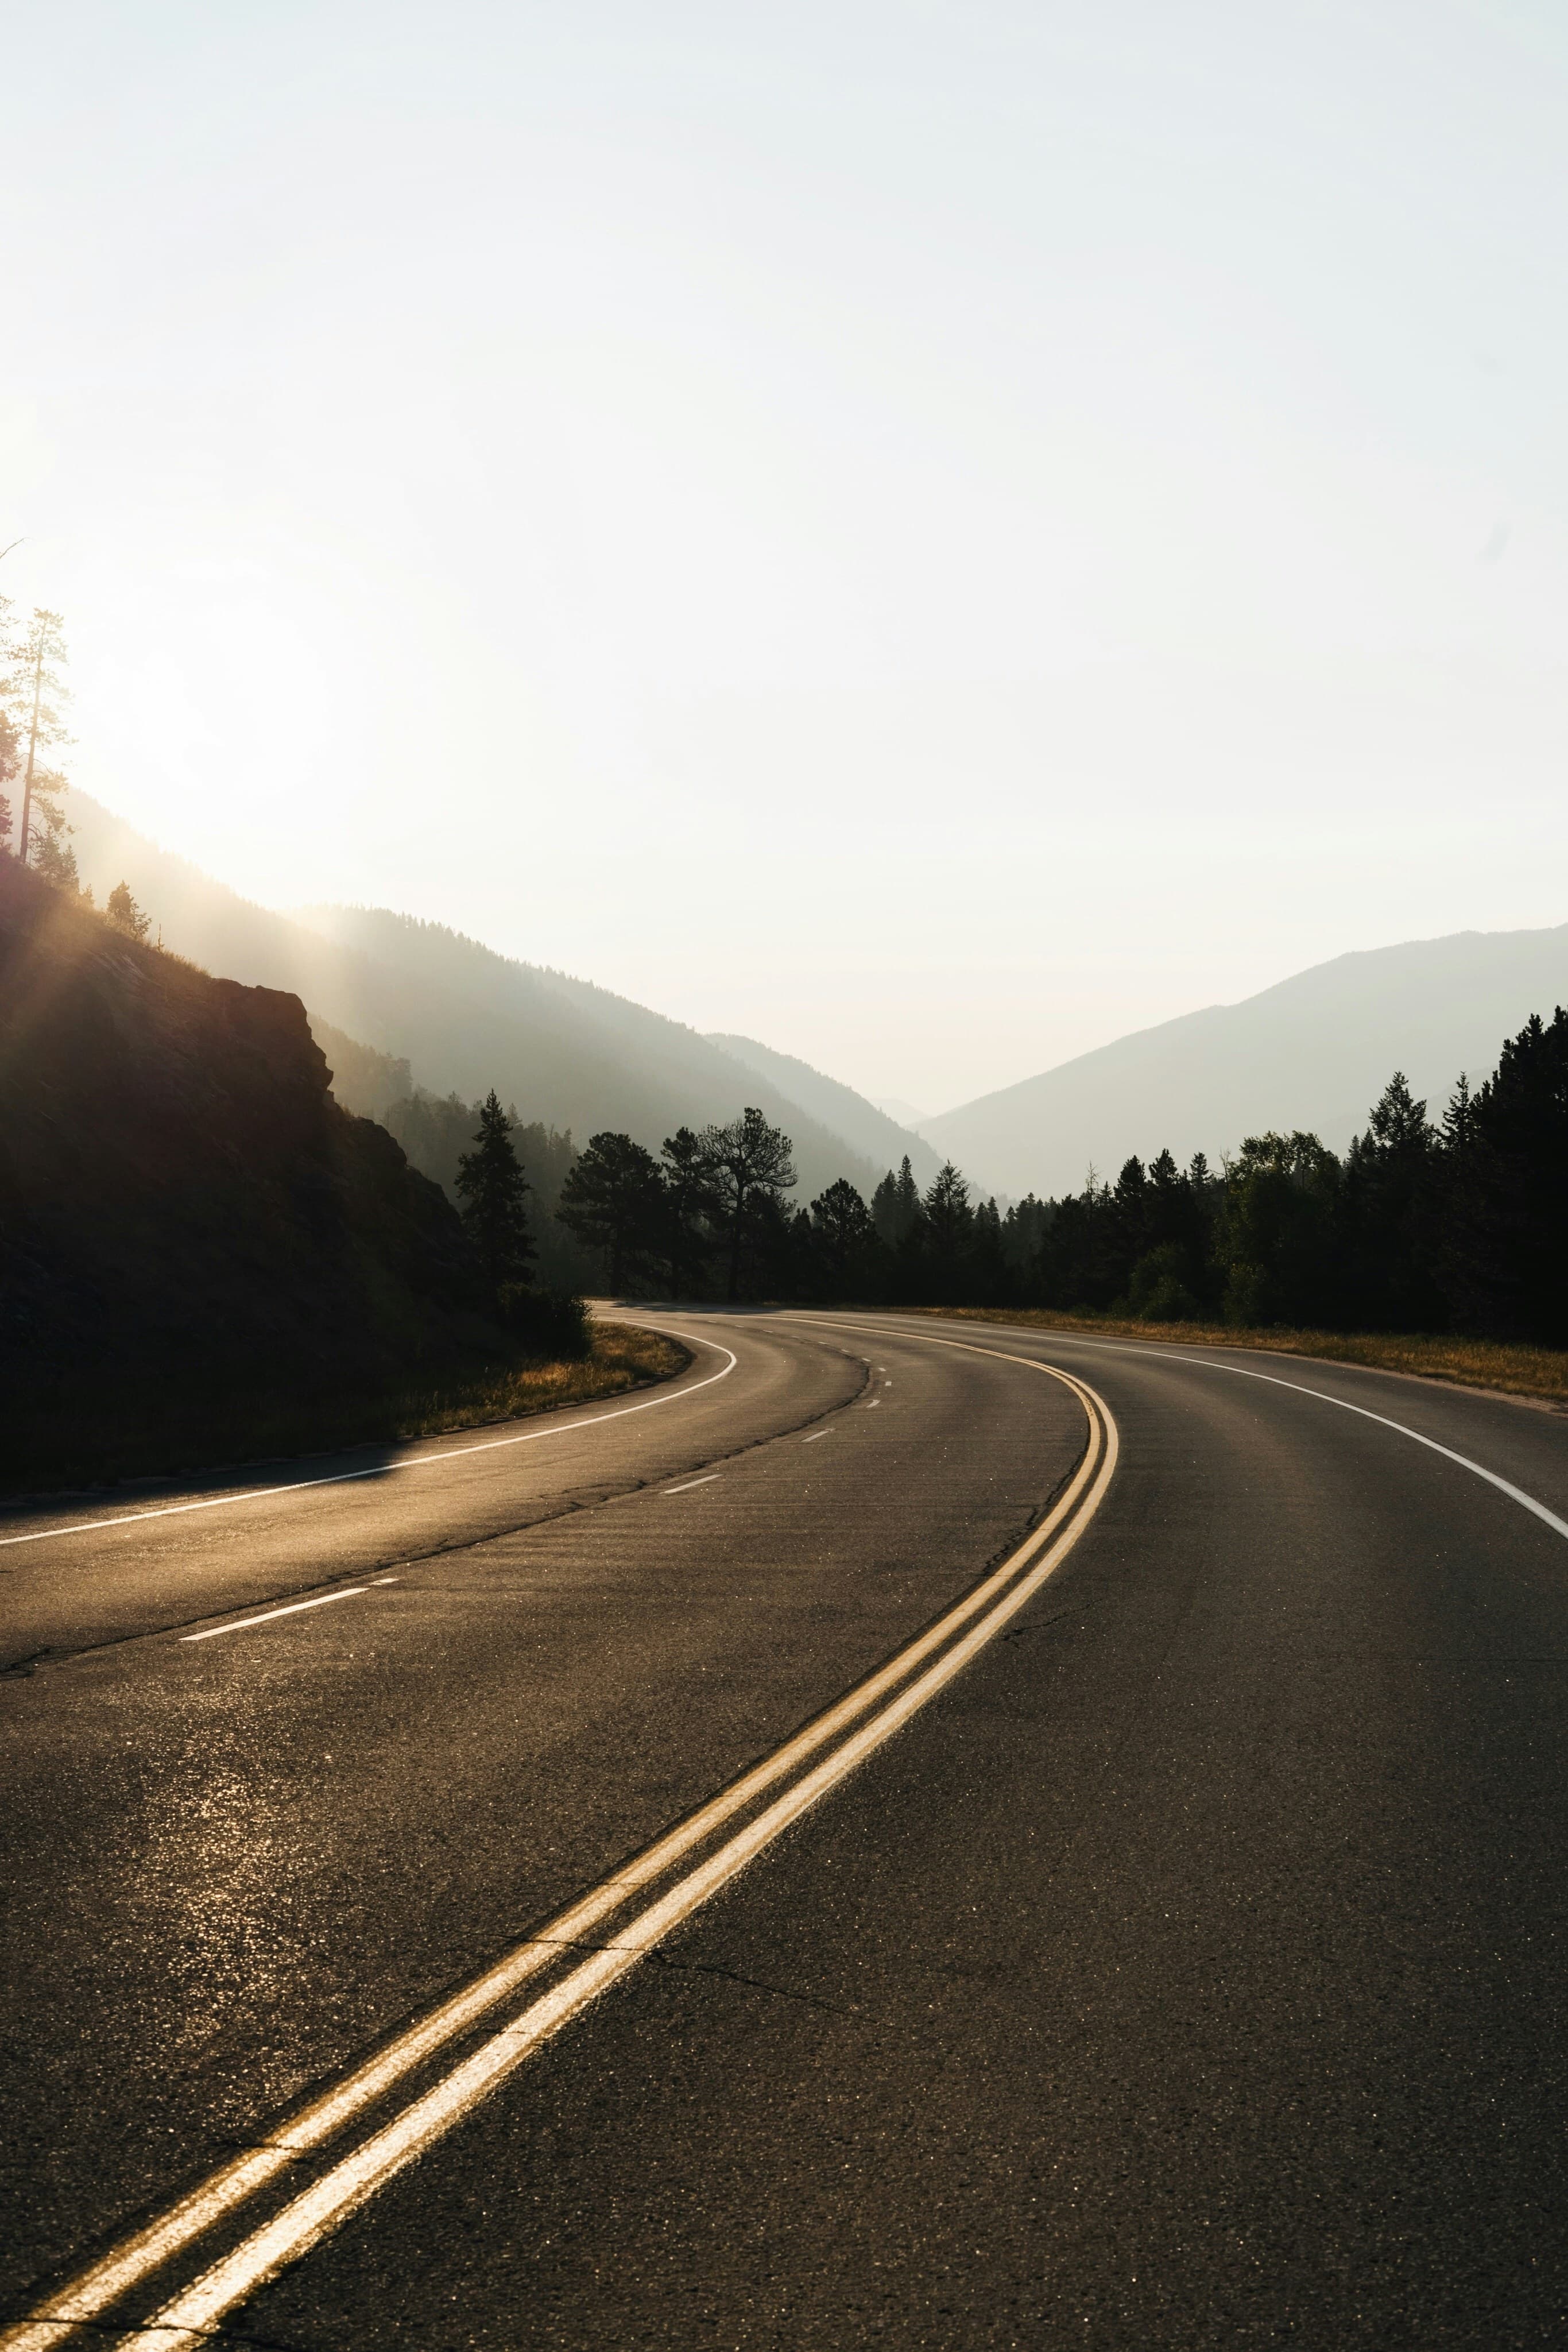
[1315,1052]
[870,1132]
[181,1199]
[464,1017]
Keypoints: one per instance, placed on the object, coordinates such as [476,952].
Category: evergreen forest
[1447,1224]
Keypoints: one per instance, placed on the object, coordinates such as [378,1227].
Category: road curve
[1185,1967]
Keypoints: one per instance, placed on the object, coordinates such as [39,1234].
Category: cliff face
[179,1195]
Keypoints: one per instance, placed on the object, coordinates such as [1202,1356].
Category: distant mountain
[464,1018]
[1313,1052]
[872,1134]
[903,1114]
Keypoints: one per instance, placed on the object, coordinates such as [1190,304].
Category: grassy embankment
[1538,1373]
[164,1430]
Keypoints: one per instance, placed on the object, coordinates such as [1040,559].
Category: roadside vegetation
[174,1429]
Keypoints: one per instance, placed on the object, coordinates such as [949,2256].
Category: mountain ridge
[860,1121]
[1313,1050]
[464,1016]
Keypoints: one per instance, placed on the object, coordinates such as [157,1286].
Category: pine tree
[895,1205]
[10,733]
[1509,1237]
[749,1165]
[884,1209]
[52,856]
[990,1281]
[31,692]
[493,1189]
[950,1220]
[1024,1229]
[1458,1119]
[1390,1217]
[614,1200]
[843,1238]
[689,1202]
[125,914]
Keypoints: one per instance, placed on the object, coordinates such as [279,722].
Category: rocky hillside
[181,1199]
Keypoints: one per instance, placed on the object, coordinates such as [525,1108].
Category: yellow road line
[185,2324]
[88,2296]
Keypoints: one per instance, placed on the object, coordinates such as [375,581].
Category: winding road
[919,1832]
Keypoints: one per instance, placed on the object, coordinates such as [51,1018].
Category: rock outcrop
[181,1199]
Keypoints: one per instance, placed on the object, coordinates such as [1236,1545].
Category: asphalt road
[1171,1953]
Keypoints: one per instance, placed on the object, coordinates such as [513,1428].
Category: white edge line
[290,1609]
[187,2321]
[1272,1380]
[383,1469]
[1245,1373]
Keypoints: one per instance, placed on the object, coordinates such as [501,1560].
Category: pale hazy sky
[931,534]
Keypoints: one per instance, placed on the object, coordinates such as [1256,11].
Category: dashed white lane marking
[383,1469]
[694,1482]
[386,1579]
[290,1609]
[815,1434]
[872,1401]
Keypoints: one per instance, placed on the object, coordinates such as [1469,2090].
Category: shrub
[553,1322]
[1157,1288]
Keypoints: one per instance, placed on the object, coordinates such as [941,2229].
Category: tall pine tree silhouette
[492,1188]
[614,1201]
[750,1170]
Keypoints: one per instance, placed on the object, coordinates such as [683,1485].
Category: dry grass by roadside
[1540,1373]
[624,1357]
[164,1431]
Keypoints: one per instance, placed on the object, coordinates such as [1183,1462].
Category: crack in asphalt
[694,1967]
[753,1984]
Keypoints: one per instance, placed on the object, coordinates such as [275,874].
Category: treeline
[705,1218]
[1449,1226]
[1455,1225]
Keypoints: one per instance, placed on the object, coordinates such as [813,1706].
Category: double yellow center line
[754,1810]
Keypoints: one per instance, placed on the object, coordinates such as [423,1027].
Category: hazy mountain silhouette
[877,1138]
[1314,1051]
[903,1114]
[462,1017]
